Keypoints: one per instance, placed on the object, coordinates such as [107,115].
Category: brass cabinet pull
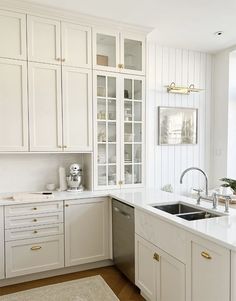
[120,182]
[59,146]
[35,208]
[35,231]
[63,60]
[67,205]
[120,66]
[156,257]
[35,220]
[64,146]
[35,248]
[58,59]
[206,255]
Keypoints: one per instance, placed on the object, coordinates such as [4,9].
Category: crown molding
[27,7]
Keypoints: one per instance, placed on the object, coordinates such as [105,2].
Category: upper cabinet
[44,41]
[13,106]
[12,35]
[119,52]
[55,42]
[76,45]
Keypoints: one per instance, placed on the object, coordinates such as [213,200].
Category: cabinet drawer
[33,208]
[156,231]
[33,232]
[33,220]
[34,255]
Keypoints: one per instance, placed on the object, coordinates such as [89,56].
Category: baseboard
[63,271]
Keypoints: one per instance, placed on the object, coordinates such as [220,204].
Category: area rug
[86,289]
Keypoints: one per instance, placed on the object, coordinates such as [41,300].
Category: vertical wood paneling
[165,163]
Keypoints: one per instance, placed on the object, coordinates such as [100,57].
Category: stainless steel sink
[186,212]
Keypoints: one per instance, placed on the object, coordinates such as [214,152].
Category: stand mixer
[74,180]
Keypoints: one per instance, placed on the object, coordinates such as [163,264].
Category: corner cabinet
[119,105]
[160,276]
[119,52]
[86,231]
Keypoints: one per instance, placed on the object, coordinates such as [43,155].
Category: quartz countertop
[221,230]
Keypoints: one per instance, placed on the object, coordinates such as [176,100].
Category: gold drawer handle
[35,208]
[35,248]
[35,231]
[156,257]
[35,220]
[206,255]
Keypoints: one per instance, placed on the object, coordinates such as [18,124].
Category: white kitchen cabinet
[13,106]
[45,107]
[12,35]
[86,231]
[119,106]
[76,45]
[210,271]
[34,255]
[44,40]
[2,259]
[160,276]
[77,108]
[118,52]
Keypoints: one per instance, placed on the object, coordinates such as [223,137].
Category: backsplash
[31,172]
[184,67]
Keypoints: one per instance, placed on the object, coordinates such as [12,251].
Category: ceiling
[183,23]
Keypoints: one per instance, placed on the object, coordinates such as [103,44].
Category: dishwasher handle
[122,212]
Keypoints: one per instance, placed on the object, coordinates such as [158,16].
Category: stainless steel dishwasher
[123,238]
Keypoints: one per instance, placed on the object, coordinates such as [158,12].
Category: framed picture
[177,126]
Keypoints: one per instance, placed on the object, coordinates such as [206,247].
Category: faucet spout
[198,169]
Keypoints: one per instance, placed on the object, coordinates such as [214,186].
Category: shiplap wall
[184,67]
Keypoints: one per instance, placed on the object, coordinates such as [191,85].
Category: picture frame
[177,125]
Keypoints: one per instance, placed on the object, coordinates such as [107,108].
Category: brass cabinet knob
[35,208]
[35,231]
[63,60]
[206,255]
[66,205]
[64,146]
[35,220]
[58,59]
[156,257]
[120,66]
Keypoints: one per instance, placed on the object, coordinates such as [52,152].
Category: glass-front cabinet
[119,52]
[132,153]
[118,128]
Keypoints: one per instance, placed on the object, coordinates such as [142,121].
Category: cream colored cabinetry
[12,35]
[54,42]
[119,106]
[210,271]
[118,52]
[160,276]
[2,261]
[45,107]
[34,238]
[86,231]
[13,106]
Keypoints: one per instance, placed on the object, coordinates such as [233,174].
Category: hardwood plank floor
[120,285]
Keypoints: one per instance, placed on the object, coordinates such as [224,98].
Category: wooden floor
[120,285]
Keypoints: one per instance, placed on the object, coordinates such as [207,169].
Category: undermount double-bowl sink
[186,212]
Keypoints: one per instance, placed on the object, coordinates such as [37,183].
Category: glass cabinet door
[133,122]
[106,50]
[106,145]
[132,54]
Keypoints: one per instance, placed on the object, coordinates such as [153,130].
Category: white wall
[165,163]
[31,172]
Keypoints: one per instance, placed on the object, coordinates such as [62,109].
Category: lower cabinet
[34,255]
[159,276]
[86,231]
[210,271]
[2,274]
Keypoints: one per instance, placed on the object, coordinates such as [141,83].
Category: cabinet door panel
[12,35]
[210,275]
[145,268]
[13,106]
[45,107]
[172,279]
[86,231]
[44,40]
[76,45]
[2,273]
[133,54]
[77,109]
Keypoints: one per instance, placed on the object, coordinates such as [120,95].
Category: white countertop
[221,230]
